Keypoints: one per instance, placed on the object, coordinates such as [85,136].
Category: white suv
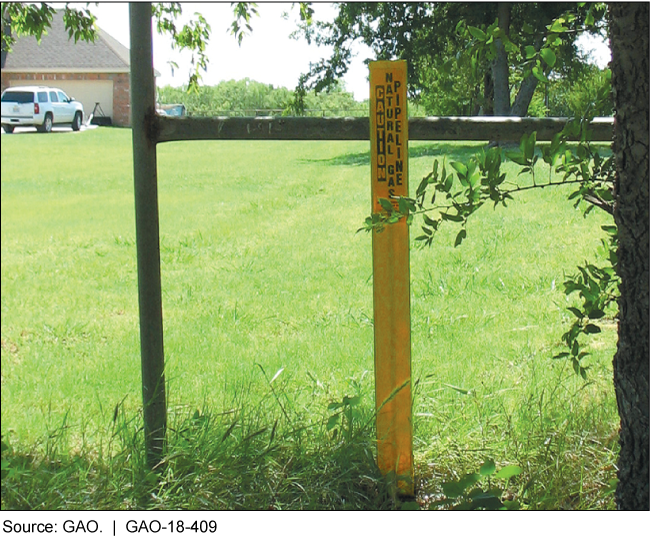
[39,106]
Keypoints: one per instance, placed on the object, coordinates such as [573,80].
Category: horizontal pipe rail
[484,128]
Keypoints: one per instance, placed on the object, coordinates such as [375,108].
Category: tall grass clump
[260,454]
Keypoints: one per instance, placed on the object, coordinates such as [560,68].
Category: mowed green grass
[262,271]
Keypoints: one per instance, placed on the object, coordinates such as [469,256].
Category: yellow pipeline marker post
[391,275]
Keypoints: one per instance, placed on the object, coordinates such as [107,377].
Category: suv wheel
[47,124]
[8,128]
[76,122]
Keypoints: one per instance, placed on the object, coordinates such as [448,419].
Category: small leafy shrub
[471,492]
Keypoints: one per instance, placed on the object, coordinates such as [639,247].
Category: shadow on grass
[451,151]
[212,462]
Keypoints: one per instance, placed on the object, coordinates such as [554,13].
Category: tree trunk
[524,96]
[488,94]
[629,42]
[527,89]
[500,71]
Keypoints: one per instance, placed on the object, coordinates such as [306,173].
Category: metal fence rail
[280,112]
[485,128]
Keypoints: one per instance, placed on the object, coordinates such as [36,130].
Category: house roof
[57,52]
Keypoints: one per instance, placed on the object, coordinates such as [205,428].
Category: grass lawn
[263,273]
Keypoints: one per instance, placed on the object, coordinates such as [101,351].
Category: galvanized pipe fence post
[143,110]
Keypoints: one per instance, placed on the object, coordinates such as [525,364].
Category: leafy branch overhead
[35,19]
[244,12]
[538,58]
[453,194]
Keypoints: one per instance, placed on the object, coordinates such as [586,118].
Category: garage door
[87,92]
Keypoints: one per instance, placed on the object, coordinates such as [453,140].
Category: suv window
[53,97]
[63,97]
[42,96]
[20,97]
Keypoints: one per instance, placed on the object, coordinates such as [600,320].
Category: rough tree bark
[629,42]
[524,96]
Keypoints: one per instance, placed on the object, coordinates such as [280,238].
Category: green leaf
[387,205]
[487,501]
[529,152]
[487,468]
[592,329]
[576,312]
[468,480]
[462,234]
[557,26]
[477,33]
[538,73]
[509,45]
[452,489]
[460,168]
[352,401]
[523,143]
[575,348]
[428,220]
[473,174]
[451,217]
[508,471]
[333,421]
[530,52]
[528,28]
[403,206]
[548,56]
[423,186]
[449,181]
[516,157]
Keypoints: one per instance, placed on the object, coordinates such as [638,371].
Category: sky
[267,55]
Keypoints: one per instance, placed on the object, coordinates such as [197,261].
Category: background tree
[576,94]
[629,42]
[248,97]
[437,37]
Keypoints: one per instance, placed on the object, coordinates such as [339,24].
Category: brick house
[90,72]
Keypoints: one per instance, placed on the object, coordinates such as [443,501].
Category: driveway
[56,128]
